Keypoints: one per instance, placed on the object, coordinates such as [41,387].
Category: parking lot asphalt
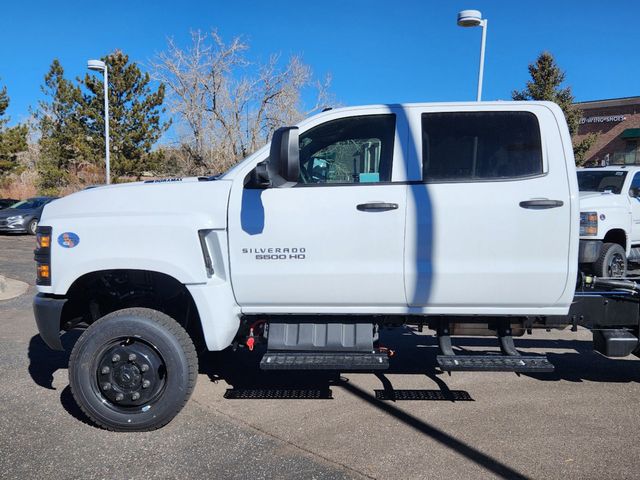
[579,422]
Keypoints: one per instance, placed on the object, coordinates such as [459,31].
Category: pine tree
[135,110]
[63,143]
[545,84]
[13,140]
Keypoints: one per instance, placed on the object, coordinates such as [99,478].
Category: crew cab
[609,218]
[463,217]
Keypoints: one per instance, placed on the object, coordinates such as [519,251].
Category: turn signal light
[43,272]
[588,223]
[43,240]
[42,255]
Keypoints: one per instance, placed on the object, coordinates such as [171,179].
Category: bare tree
[227,107]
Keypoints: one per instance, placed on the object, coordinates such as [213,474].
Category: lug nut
[115,358]
[106,386]
[144,367]
[146,383]
[132,357]
[119,397]
[105,370]
[135,396]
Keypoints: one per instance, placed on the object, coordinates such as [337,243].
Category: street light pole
[481,68]
[106,116]
[99,65]
[473,18]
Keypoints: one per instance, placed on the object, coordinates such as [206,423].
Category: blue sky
[377,51]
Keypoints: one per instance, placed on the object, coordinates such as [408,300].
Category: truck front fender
[161,243]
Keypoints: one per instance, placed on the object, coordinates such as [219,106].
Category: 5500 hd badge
[277,253]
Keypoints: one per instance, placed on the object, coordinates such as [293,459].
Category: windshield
[27,204]
[603,181]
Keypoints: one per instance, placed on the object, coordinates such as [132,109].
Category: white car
[609,218]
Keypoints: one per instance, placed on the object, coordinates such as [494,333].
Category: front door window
[348,150]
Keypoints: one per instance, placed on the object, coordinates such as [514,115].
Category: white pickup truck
[609,218]
[463,217]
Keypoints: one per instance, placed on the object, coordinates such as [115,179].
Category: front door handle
[377,207]
[541,204]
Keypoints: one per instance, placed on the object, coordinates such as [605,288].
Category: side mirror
[633,192]
[259,177]
[283,166]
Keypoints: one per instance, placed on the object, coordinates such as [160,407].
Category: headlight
[588,223]
[17,218]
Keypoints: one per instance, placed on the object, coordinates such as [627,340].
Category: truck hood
[203,199]
[598,201]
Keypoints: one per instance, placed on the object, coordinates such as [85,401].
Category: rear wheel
[133,370]
[612,261]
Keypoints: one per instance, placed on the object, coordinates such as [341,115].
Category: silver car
[23,216]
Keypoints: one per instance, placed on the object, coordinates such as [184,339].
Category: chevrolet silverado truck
[462,217]
[609,219]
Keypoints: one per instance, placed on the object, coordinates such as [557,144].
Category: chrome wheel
[33,226]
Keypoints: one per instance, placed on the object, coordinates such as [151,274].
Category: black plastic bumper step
[324,361]
[494,363]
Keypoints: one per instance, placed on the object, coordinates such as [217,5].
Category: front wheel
[133,370]
[32,227]
[612,261]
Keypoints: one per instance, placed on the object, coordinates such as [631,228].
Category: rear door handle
[376,206]
[541,204]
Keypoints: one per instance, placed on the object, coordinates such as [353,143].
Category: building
[617,124]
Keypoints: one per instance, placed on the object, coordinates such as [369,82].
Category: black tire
[32,226]
[152,349]
[612,261]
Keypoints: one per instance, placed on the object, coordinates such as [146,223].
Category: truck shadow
[241,371]
[574,361]
[44,362]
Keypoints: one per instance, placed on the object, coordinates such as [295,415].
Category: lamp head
[469,18]
[96,65]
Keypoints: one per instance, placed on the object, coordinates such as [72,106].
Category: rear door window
[468,146]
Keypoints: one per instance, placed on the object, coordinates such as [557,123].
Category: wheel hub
[128,376]
[616,267]
[130,373]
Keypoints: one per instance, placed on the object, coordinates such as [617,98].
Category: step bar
[510,360]
[495,363]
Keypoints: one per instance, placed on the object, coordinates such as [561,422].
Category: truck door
[499,233]
[335,240]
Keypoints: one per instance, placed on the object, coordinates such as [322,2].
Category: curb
[10,288]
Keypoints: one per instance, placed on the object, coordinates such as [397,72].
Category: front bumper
[19,226]
[48,311]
